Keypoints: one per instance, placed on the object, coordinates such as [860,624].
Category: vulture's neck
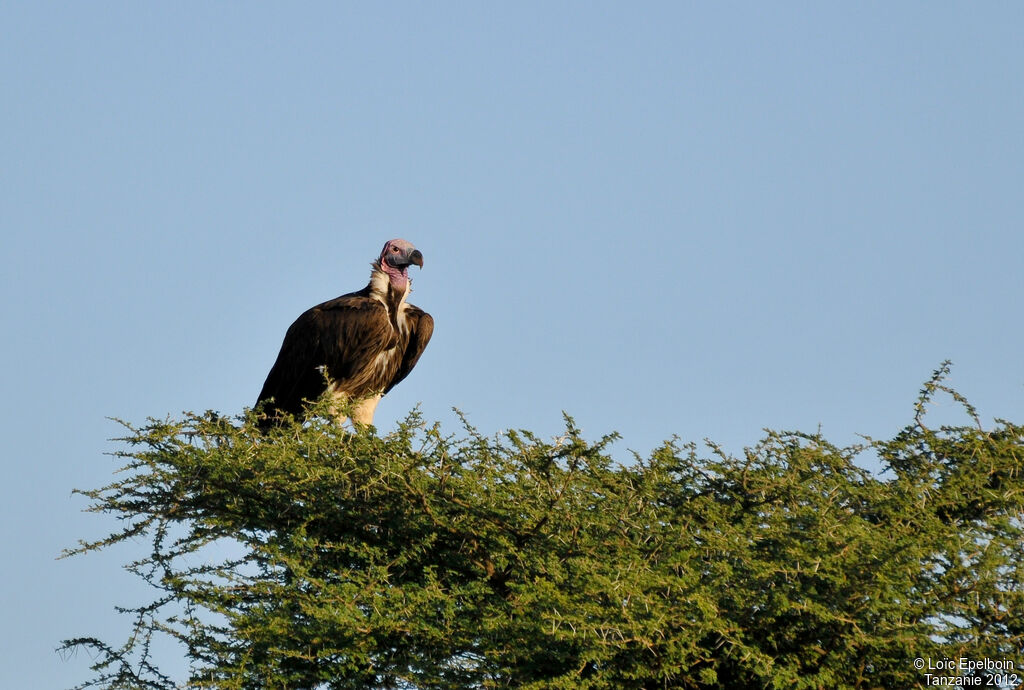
[390,292]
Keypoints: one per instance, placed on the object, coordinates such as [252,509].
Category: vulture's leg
[363,411]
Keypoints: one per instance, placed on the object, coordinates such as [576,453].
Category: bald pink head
[395,259]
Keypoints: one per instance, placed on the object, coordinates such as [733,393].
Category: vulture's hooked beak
[416,258]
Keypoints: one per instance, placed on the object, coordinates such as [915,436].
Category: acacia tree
[420,560]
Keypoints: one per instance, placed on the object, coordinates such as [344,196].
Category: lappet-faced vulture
[366,342]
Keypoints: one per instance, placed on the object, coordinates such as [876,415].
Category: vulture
[365,342]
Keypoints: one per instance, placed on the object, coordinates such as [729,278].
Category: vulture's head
[396,258]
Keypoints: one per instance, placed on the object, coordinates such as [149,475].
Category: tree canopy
[315,557]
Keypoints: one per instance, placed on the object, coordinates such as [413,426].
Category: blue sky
[667,218]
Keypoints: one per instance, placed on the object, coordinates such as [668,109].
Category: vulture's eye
[394,249]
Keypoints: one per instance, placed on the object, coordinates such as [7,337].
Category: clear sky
[664,218]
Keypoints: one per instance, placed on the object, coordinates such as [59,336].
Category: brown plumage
[366,342]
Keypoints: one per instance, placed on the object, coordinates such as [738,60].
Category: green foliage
[311,557]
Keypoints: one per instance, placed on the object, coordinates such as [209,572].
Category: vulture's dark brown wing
[343,334]
[421,327]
